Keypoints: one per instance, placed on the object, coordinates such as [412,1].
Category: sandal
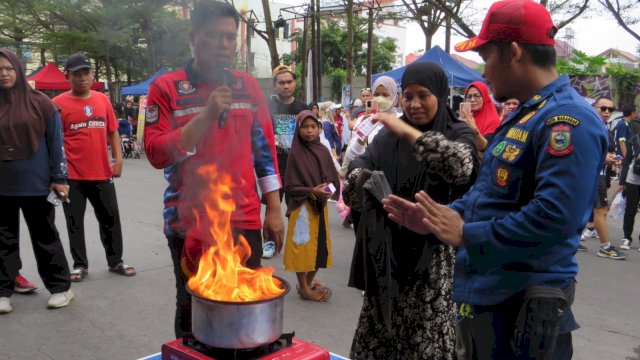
[123,269]
[78,274]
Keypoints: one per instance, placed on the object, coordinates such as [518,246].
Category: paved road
[113,317]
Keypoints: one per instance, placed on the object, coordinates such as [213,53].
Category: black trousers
[182,320]
[487,334]
[102,196]
[39,215]
[632,193]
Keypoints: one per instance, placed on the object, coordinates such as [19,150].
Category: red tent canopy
[51,78]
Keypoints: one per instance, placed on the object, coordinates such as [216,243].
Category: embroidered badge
[526,118]
[88,110]
[517,134]
[511,152]
[498,149]
[151,114]
[560,141]
[536,97]
[185,87]
[542,104]
[502,175]
[563,119]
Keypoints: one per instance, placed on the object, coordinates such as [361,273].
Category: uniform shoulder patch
[560,140]
[151,114]
[566,119]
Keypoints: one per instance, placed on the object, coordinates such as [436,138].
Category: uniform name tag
[518,134]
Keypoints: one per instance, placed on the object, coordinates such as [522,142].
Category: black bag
[636,167]
[538,322]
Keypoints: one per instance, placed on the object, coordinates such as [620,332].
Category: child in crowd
[311,179]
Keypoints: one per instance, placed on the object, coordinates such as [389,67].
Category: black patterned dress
[422,320]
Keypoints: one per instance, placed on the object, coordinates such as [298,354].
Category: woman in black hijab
[32,164]
[407,278]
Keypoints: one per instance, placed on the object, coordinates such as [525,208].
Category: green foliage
[128,39]
[334,53]
[626,81]
[581,64]
[338,77]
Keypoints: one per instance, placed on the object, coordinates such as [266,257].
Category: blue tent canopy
[459,75]
[143,87]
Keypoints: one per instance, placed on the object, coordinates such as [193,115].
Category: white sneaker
[586,233]
[5,305]
[268,250]
[626,244]
[60,300]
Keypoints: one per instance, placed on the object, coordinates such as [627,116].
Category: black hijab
[309,165]
[431,76]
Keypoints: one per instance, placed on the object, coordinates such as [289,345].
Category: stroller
[130,147]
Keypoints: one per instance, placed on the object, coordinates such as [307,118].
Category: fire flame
[221,274]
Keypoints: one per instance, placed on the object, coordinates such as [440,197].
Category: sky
[595,31]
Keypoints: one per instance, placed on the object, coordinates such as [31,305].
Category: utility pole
[314,53]
[370,47]
[318,58]
[305,59]
[349,41]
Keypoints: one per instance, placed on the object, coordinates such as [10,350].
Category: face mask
[384,103]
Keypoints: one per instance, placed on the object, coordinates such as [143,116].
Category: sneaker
[582,248]
[60,300]
[626,244]
[23,286]
[269,250]
[5,305]
[586,233]
[612,253]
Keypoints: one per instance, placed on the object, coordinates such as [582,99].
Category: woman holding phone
[32,165]
[479,112]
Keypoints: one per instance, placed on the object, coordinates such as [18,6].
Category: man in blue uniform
[518,228]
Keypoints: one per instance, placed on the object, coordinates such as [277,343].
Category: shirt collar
[545,92]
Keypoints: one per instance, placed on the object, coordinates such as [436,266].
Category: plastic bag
[617,206]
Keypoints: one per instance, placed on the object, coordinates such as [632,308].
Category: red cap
[522,21]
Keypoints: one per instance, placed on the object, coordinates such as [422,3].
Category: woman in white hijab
[385,93]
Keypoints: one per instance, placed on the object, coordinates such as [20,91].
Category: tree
[623,12]
[430,15]
[334,36]
[581,64]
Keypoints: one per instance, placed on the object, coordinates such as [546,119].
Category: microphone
[227,79]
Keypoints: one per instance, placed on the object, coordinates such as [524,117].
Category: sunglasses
[366,89]
[606,109]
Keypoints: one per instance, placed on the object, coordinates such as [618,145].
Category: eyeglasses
[7,69]
[607,109]
[366,89]
[473,96]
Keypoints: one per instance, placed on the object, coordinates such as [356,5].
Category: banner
[141,120]
[346,96]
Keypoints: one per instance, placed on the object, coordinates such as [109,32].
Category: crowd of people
[466,222]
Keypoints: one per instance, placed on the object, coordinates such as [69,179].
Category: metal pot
[237,325]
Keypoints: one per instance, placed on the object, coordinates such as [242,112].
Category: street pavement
[114,317]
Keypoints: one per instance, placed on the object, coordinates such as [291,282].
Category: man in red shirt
[206,114]
[88,121]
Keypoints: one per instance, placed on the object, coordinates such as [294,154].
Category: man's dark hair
[627,110]
[601,98]
[543,56]
[206,11]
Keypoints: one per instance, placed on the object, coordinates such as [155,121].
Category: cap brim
[471,44]
[79,67]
